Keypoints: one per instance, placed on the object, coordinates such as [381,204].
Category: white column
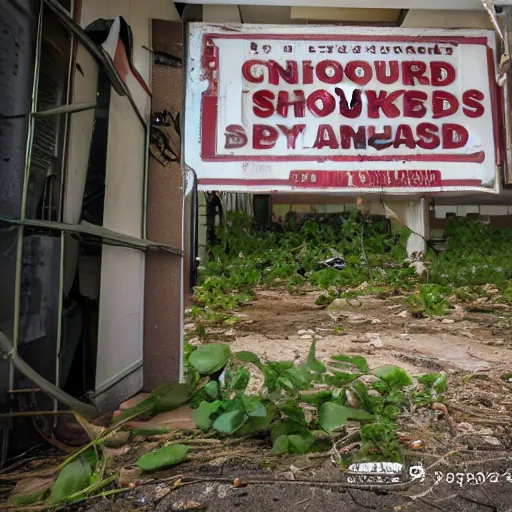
[416,218]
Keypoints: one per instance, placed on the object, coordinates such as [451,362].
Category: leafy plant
[163,457]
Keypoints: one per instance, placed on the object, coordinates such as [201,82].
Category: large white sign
[272,108]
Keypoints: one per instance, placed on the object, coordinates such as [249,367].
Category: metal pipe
[86,410]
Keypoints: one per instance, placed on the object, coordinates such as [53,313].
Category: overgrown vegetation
[306,407]
[476,255]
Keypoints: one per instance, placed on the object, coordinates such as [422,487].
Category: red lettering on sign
[454,136]
[427,136]
[349,136]
[321,103]
[414,69]
[404,136]
[235,137]
[336,71]
[291,134]
[440,99]
[413,104]
[383,101]
[263,103]
[264,136]
[381,71]
[356,105]
[276,71]
[442,74]
[283,102]
[325,137]
[247,71]
[359,71]
[471,100]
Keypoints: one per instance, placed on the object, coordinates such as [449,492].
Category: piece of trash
[236,482]
[338,263]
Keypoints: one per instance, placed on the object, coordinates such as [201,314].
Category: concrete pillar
[414,214]
[202,226]
[416,218]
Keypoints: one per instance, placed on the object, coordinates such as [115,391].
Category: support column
[202,221]
[416,218]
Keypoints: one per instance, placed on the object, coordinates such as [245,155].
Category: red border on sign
[289,183]
[210,104]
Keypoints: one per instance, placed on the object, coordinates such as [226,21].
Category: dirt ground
[472,344]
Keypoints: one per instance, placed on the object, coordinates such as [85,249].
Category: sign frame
[409,173]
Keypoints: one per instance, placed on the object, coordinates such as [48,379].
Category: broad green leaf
[333,416]
[74,477]
[437,381]
[238,379]
[393,375]
[203,413]
[295,413]
[229,422]
[312,362]
[253,406]
[316,399]
[169,397]
[212,389]
[339,379]
[368,402]
[301,443]
[258,424]
[248,357]
[281,445]
[300,377]
[358,361]
[287,427]
[396,397]
[272,371]
[163,457]
[208,359]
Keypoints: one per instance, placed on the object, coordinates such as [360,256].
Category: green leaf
[253,406]
[287,427]
[437,381]
[391,411]
[312,362]
[169,397]
[393,375]
[208,359]
[332,416]
[238,379]
[316,399]
[163,457]
[212,389]
[295,413]
[203,413]
[229,422]
[358,361]
[301,443]
[300,377]
[396,397]
[339,379]
[74,477]
[281,445]
[256,424]
[248,357]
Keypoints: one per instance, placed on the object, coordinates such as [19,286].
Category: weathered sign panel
[341,109]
